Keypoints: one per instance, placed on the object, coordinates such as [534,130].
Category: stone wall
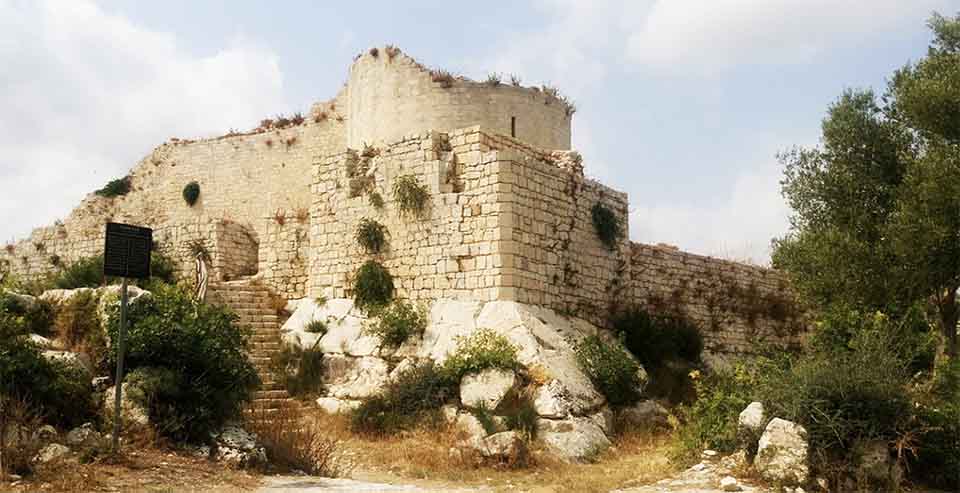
[391,98]
[448,252]
[286,253]
[735,305]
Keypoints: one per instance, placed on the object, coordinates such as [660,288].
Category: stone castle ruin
[509,216]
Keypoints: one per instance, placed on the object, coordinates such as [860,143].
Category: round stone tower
[389,97]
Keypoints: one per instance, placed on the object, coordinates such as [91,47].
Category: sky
[683,104]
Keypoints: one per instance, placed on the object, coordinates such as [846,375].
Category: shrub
[657,339]
[162,269]
[115,188]
[607,225]
[78,325]
[415,396]
[411,195]
[191,193]
[297,443]
[711,421]
[937,457]
[372,286]
[317,327]
[84,273]
[482,350]
[396,322]
[842,398]
[610,369]
[204,348]
[35,317]
[58,392]
[299,370]
[443,77]
[522,417]
[371,235]
[486,418]
[17,415]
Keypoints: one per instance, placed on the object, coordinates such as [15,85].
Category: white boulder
[487,388]
[51,452]
[236,447]
[332,405]
[574,439]
[85,436]
[471,426]
[550,400]
[354,378]
[782,452]
[132,411]
[751,418]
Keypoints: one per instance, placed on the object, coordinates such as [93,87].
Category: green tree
[876,219]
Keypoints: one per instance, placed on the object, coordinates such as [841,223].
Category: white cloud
[704,36]
[86,94]
[740,227]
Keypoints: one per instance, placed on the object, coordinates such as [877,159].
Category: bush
[842,398]
[84,273]
[607,225]
[371,235]
[78,325]
[115,188]
[711,421]
[610,369]
[414,397]
[317,327]
[396,322]
[204,348]
[482,350]
[191,193]
[162,269]
[655,340]
[299,370]
[35,317]
[411,195]
[58,392]
[373,286]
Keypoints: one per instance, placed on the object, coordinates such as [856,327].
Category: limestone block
[354,378]
[782,452]
[574,439]
[487,388]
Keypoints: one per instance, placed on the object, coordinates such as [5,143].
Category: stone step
[270,394]
[269,403]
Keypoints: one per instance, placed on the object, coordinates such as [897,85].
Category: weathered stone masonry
[508,219]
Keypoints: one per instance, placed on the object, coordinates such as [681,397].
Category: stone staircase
[251,302]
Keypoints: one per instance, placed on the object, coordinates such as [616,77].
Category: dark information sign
[127,251]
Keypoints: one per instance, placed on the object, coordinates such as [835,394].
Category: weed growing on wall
[493,80]
[316,327]
[115,188]
[482,350]
[397,322]
[442,77]
[607,225]
[411,195]
[191,192]
[611,369]
[371,235]
[372,286]
[376,200]
[657,339]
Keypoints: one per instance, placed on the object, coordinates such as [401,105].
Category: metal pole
[118,382]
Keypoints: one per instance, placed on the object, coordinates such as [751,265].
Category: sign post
[126,254]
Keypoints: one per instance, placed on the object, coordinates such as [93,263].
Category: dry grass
[302,214]
[422,456]
[280,217]
[151,469]
[296,442]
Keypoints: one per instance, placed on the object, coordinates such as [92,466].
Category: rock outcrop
[782,452]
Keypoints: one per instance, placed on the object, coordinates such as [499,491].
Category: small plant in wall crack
[607,224]
[191,193]
[372,287]
[371,235]
[316,327]
[411,195]
[376,200]
[280,217]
